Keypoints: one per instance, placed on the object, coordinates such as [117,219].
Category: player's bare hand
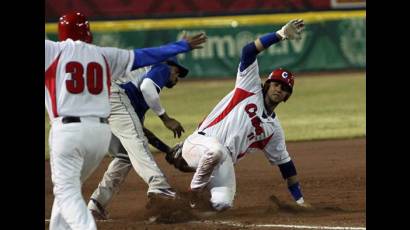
[292,30]
[173,125]
[196,40]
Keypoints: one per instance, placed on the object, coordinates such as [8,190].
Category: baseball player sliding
[244,120]
[77,88]
[129,103]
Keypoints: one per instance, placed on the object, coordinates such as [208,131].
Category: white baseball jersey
[78,77]
[239,123]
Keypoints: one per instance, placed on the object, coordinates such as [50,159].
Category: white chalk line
[236,224]
[108,221]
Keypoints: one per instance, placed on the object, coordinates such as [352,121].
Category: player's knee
[222,198]
[217,154]
[213,156]
[113,182]
[66,190]
[222,206]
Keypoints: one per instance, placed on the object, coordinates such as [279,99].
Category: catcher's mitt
[174,157]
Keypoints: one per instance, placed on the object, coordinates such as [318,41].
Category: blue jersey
[159,74]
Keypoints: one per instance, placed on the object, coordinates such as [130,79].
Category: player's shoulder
[84,44]
[47,41]
[67,43]
[276,122]
[159,66]
[136,75]
[50,43]
[159,70]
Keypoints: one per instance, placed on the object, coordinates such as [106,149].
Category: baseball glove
[174,157]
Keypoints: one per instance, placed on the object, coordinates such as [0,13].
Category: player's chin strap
[288,171]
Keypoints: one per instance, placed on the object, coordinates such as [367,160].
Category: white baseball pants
[127,128]
[214,169]
[76,149]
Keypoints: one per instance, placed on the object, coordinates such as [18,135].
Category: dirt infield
[332,173]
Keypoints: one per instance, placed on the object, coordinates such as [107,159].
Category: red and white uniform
[77,82]
[235,126]
[77,77]
[238,123]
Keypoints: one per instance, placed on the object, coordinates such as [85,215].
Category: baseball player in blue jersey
[130,101]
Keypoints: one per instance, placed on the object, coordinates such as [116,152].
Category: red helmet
[74,26]
[283,76]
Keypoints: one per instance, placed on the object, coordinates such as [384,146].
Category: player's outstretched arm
[292,30]
[288,172]
[149,56]
[156,142]
[172,155]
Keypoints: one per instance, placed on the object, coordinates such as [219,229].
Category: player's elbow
[249,53]
[150,95]
[249,50]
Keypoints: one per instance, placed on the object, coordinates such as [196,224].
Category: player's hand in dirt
[172,124]
[196,40]
[193,198]
[292,207]
[305,206]
[292,30]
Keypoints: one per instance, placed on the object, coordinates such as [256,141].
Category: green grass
[325,107]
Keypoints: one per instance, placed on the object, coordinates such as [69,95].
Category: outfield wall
[143,9]
[332,40]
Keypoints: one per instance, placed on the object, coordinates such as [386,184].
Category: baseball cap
[174,61]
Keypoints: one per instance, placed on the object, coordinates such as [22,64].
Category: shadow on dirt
[178,210]
[165,211]
[279,206]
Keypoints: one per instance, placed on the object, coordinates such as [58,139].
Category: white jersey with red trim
[238,121]
[78,77]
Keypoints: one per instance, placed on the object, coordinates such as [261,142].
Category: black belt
[201,133]
[67,120]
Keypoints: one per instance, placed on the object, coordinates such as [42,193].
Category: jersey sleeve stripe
[50,83]
[239,95]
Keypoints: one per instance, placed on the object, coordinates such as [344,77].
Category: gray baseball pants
[128,137]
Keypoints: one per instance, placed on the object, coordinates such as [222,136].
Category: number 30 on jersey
[93,76]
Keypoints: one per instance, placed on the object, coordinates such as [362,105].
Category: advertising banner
[325,45]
